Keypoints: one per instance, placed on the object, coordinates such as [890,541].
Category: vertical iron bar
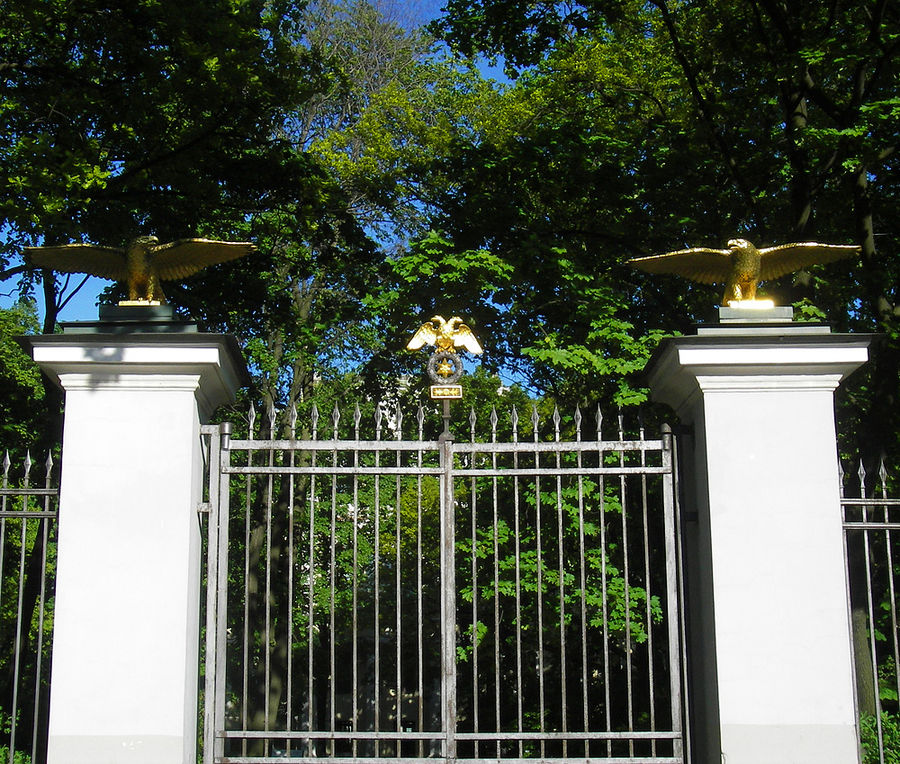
[289,607]
[246,635]
[221,598]
[474,566]
[355,585]
[882,474]
[583,585]
[540,580]
[17,648]
[448,601]
[377,604]
[4,485]
[212,596]
[626,588]
[310,613]
[496,520]
[398,594]
[45,536]
[562,584]
[672,586]
[419,614]
[647,592]
[332,563]
[603,585]
[683,713]
[871,612]
[514,420]
[268,604]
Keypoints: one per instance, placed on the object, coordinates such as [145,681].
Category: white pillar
[126,622]
[769,631]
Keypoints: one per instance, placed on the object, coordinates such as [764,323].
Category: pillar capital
[684,367]
[100,360]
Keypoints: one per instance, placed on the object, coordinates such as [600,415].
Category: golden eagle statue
[742,266]
[143,264]
[445,335]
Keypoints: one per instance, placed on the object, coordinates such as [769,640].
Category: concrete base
[769,641]
[125,647]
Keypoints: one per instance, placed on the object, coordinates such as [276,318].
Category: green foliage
[19,758]
[635,128]
[23,406]
[890,730]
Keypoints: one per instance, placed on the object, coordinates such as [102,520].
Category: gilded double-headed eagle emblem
[742,266]
[445,366]
[445,335]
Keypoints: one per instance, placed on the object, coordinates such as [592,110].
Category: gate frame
[217,510]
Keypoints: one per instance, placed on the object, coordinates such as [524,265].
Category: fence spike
[621,418]
[292,419]
[641,424]
[514,420]
[399,418]
[272,414]
[840,470]
[599,422]
[577,422]
[556,420]
[535,419]
[861,473]
[6,463]
[357,415]
[882,476]
[27,466]
[494,420]
[420,419]
[48,464]
[379,415]
[251,418]
[472,420]
[314,419]
[335,418]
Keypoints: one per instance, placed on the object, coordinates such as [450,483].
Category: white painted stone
[125,648]
[765,553]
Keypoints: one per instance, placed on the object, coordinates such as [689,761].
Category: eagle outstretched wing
[787,258]
[105,262]
[426,335]
[464,338]
[182,258]
[708,266]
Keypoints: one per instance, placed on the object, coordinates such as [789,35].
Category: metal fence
[379,596]
[872,537]
[27,567]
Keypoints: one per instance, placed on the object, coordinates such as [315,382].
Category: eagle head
[739,244]
[145,242]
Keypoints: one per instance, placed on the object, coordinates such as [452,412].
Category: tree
[644,127]
[151,116]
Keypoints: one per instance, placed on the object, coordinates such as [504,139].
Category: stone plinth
[125,647]
[771,663]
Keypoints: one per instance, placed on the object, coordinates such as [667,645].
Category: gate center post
[448,599]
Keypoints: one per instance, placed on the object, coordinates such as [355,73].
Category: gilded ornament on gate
[445,335]
[742,266]
[142,265]
[444,365]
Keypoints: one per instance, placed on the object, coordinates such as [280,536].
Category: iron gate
[506,597]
